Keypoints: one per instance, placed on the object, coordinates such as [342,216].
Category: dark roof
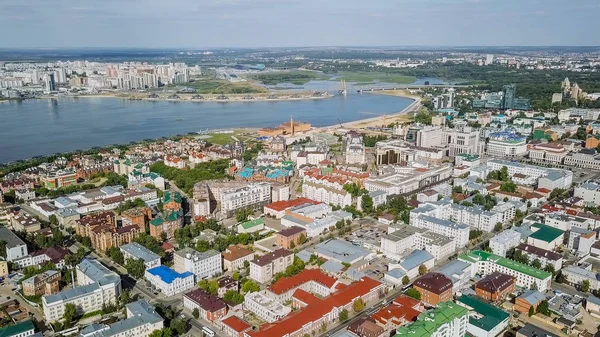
[295,230]
[539,252]
[366,327]
[436,283]
[206,301]
[56,254]
[530,330]
[495,282]
[226,281]
[270,257]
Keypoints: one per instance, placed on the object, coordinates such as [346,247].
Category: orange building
[45,283]
[285,237]
[592,141]
[287,128]
[495,286]
[137,216]
[434,288]
[530,298]
[102,230]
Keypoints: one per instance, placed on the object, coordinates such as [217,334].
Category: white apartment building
[545,257]
[310,158]
[316,226]
[524,275]
[429,136]
[201,264]
[328,190]
[168,281]
[566,222]
[355,148]
[403,239]
[589,192]
[142,319]
[459,232]
[583,160]
[547,177]
[266,308]
[136,251]
[263,268]
[251,195]
[404,179]
[96,286]
[506,144]
[504,241]
[553,154]
[576,275]
[15,247]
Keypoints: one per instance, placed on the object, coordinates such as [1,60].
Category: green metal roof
[492,316]
[546,233]
[171,196]
[157,221]
[479,255]
[253,223]
[17,329]
[430,321]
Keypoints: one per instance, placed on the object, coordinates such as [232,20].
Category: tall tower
[292,125]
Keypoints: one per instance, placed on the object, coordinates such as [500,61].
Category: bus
[208,332]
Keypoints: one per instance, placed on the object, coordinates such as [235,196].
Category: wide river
[41,127]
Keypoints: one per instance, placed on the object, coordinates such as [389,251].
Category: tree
[536,264]
[196,313]
[498,227]
[560,278]
[211,287]
[531,311]
[115,254]
[550,269]
[422,270]
[585,286]
[343,315]
[544,308]
[474,234]
[233,296]
[534,286]
[367,204]
[53,220]
[125,297]
[249,287]
[302,239]
[135,268]
[414,293]
[508,186]
[236,275]
[69,313]
[292,244]
[405,280]
[358,305]
[179,326]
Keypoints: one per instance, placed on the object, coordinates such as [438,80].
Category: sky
[297,23]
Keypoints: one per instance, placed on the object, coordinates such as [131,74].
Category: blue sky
[272,23]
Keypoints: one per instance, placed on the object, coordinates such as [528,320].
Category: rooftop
[140,252]
[429,322]
[270,257]
[167,274]
[530,330]
[252,223]
[542,253]
[342,251]
[491,315]
[545,232]
[206,301]
[291,231]
[436,283]
[11,239]
[532,297]
[236,324]
[478,255]
[17,329]
[285,204]
[495,282]
[415,259]
[287,283]
[236,252]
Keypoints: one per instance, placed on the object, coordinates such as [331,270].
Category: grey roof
[295,220]
[332,266]
[455,267]
[404,232]
[140,252]
[11,239]
[98,272]
[579,230]
[341,250]
[524,230]
[376,193]
[396,273]
[533,297]
[108,190]
[354,274]
[142,313]
[195,253]
[593,299]
[43,276]
[64,201]
[442,222]
[581,272]
[304,255]
[530,330]
[415,259]
[72,293]
[67,212]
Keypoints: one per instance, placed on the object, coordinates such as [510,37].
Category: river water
[41,127]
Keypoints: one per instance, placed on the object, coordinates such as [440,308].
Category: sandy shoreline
[383,119]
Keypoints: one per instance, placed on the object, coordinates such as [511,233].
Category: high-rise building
[35,77]
[61,75]
[489,59]
[510,92]
[50,82]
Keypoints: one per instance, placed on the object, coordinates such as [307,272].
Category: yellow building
[3,268]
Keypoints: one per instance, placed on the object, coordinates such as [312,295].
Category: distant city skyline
[297,23]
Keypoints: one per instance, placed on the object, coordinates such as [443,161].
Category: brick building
[45,283]
[287,236]
[211,307]
[495,286]
[434,288]
[137,216]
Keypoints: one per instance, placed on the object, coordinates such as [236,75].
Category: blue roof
[415,259]
[332,266]
[167,274]
[396,273]
[593,299]
[341,251]
[533,297]
[304,255]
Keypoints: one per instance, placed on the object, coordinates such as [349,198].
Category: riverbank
[209,98]
[383,120]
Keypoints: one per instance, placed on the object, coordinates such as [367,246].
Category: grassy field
[214,86]
[296,77]
[218,138]
[369,77]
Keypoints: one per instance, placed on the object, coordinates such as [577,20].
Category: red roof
[305,297]
[295,321]
[543,190]
[288,283]
[236,324]
[167,246]
[395,313]
[285,204]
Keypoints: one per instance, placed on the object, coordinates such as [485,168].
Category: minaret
[292,124]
